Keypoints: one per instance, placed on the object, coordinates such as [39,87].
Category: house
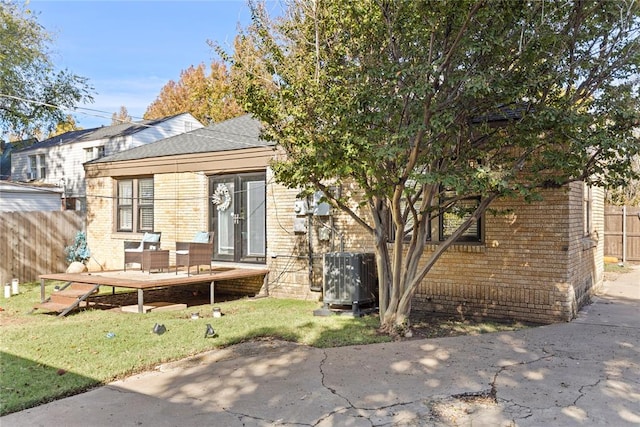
[58,160]
[539,263]
[20,197]
[6,148]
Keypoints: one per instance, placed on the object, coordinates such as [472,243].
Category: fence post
[624,234]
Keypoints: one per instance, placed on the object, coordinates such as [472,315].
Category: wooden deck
[141,281]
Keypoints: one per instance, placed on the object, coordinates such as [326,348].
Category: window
[42,167]
[587,207]
[33,167]
[408,226]
[452,218]
[135,205]
[93,153]
[37,167]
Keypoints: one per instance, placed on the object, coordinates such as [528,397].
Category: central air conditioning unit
[349,280]
[31,176]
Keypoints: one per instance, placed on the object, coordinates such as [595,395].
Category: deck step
[63,299]
[84,287]
[71,292]
[66,299]
[51,306]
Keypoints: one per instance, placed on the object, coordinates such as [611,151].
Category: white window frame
[37,167]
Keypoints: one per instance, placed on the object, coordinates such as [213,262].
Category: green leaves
[483,98]
[33,95]
[378,92]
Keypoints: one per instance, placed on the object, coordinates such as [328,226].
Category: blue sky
[130,49]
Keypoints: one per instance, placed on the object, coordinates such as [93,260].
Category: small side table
[155,260]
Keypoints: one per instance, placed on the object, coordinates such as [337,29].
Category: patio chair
[197,252]
[133,249]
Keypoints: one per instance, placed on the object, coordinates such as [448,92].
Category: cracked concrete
[582,373]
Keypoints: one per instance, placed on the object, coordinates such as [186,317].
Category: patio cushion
[133,249]
[151,237]
[148,238]
[201,237]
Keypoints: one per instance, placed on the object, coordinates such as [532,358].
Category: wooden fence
[32,243]
[622,232]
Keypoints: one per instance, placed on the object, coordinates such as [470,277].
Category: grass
[616,268]
[44,358]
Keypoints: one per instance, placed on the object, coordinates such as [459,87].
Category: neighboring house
[5,158]
[20,197]
[58,160]
[539,263]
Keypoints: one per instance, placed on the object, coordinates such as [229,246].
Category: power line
[205,128]
[74,109]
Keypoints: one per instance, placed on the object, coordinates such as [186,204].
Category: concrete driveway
[582,373]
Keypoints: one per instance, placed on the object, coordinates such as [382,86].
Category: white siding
[64,162]
[18,198]
[175,126]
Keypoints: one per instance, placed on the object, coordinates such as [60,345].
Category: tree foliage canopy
[33,95]
[207,97]
[409,98]
[121,116]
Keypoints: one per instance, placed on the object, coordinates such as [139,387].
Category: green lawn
[45,357]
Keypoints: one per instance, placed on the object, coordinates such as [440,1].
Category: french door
[238,217]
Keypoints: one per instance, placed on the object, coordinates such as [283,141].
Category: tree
[121,117]
[66,125]
[207,97]
[33,95]
[629,193]
[424,105]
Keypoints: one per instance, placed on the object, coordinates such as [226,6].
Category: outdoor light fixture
[209,333]
[159,329]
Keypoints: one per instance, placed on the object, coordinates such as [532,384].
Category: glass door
[238,217]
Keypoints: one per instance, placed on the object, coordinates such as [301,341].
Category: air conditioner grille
[349,278]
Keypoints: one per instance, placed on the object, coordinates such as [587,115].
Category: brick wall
[106,252]
[536,263]
[293,273]
[585,268]
[180,211]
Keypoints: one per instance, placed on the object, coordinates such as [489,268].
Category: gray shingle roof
[103,132]
[234,134]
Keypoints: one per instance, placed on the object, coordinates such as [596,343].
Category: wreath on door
[222,197]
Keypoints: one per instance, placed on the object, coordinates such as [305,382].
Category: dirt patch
[194,295]
[440,326]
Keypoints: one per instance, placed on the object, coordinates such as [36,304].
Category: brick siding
[535,264]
